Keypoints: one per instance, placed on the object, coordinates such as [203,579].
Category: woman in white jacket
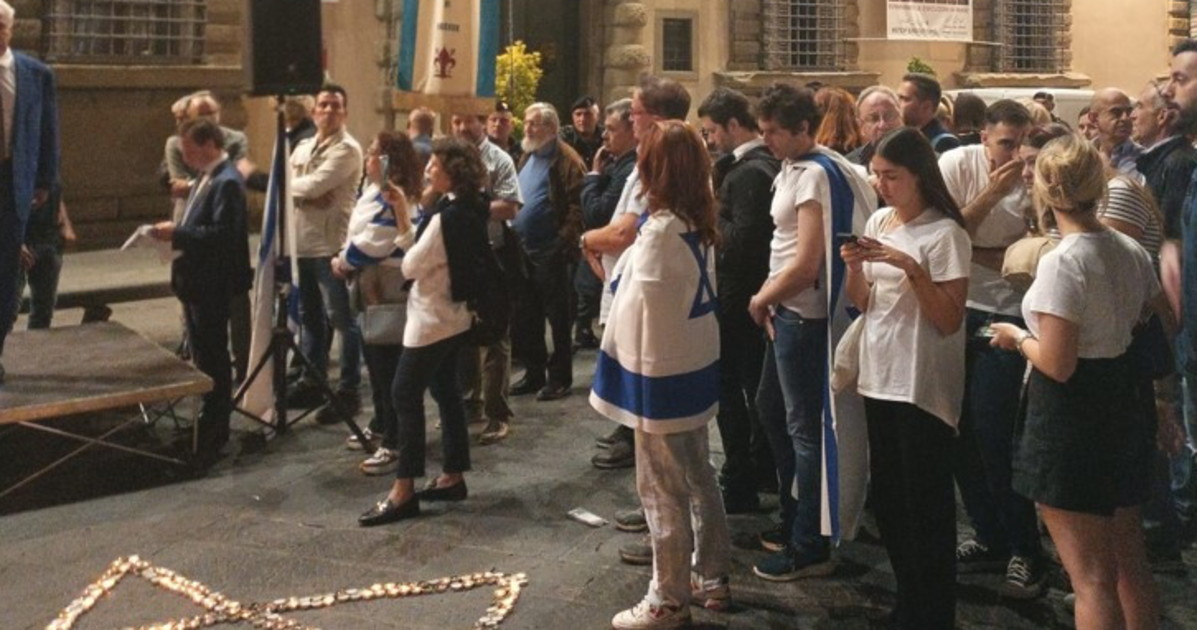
[442,258]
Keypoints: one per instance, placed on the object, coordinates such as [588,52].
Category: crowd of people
[879,298]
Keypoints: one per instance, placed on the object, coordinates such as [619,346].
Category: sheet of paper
[141,238]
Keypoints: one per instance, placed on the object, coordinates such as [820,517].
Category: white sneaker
[354,444]
[384,461]
[647,616]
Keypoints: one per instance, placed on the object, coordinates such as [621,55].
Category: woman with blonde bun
[1082,448]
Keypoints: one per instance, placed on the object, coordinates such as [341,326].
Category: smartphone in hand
[843,238]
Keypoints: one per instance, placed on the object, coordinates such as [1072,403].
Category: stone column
[627,55]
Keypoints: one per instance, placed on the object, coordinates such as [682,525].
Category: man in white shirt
[326,169]
[985,180]
[816,194]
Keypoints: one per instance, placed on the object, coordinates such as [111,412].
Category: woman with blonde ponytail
[1082,447]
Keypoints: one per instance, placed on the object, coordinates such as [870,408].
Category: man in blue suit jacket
[212,265]
[28,156]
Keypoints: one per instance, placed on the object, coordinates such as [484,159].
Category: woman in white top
[442,263]
[372,263]
[658,373]
[1082,448]
[908,273]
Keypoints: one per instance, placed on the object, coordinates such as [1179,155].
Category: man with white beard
[548,225]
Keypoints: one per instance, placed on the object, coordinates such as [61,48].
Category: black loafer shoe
[523,387]
[386,512]
[552,392]
[455,492]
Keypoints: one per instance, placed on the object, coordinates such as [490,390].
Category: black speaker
[283,46]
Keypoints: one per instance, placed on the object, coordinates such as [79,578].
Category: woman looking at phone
[908,273]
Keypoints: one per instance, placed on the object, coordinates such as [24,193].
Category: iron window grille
[1034,35]
[125,31]
[677,50]
[803,34]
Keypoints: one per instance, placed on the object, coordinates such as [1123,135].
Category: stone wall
[114,121]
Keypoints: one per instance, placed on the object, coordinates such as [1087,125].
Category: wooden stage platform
[89,368]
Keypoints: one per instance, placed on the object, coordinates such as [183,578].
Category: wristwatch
[1022,337]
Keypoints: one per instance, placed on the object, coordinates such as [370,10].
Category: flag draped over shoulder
[845,435]
[259,397]
[449,48]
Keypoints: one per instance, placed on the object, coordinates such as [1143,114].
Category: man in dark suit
[744,184]
[212,266]
[28,157]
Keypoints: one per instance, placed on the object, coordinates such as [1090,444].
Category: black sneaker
[620,434]
[784,566]
[620,455]
[639,553]
[1025,578]
[974,557]
[631,520]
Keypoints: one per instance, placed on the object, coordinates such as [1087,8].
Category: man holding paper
[213,265]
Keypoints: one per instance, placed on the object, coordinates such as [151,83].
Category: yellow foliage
[517,77]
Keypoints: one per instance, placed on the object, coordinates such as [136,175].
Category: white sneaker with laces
[649,616]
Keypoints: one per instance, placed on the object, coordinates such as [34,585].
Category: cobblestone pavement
[282,522]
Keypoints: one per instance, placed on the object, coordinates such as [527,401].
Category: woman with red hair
[658,374]
[840,129]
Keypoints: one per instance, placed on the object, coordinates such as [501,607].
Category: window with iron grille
[125,31]
[1033,35]
[677,52]
[803,34]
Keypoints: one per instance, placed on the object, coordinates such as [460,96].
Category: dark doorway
[550,27]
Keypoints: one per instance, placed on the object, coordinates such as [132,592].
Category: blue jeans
[983,451]
[324,299]
[790,404]
[42,281]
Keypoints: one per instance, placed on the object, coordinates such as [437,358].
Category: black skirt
[1086,445]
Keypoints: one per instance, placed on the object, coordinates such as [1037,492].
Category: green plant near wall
[918,65]
[517,76]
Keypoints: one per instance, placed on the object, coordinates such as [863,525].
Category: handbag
[846,366]
[1022,260]
[382,324]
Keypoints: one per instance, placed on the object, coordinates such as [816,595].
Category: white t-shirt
[796,184]
[966,172]
[903,357]
[630,202]
[1098,280]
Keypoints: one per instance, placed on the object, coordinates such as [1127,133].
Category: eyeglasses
[874,119]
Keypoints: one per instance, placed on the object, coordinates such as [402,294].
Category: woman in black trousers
[441,259]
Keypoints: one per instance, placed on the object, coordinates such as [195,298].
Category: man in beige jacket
[326,169]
